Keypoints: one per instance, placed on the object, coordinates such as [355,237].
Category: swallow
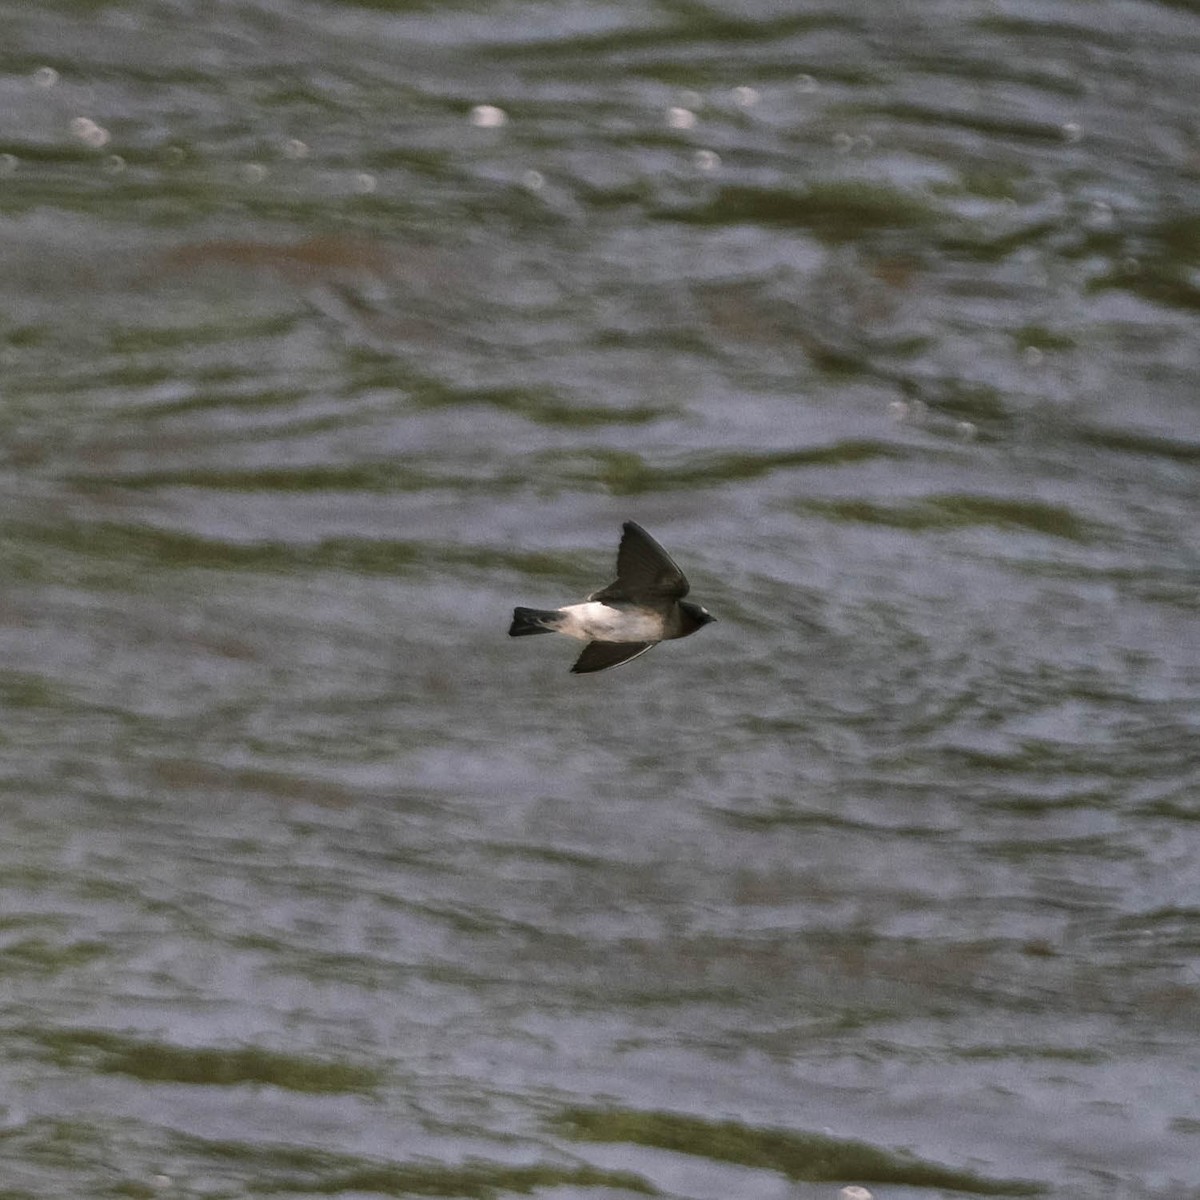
[643,606]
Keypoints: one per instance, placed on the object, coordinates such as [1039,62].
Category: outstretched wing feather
[599,656]
[644,570]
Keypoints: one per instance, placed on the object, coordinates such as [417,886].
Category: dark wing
[645,571]
[599,656]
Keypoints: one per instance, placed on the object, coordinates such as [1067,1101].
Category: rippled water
[331,332]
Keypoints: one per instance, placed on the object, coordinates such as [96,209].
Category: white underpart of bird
[595,621]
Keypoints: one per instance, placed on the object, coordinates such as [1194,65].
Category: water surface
[884,323]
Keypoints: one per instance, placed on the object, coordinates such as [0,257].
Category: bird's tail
[532,620]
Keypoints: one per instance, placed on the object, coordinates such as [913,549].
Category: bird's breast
[595,621]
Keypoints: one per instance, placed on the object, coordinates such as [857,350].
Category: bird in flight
[643,606]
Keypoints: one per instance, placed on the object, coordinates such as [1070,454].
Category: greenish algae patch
[541,407]
[959,511]
[1039,337]
[374,478]
[625,473]
[159,1062]
[810,1157]
[36,955]
[269,1169]
[21,690]
[169,548]
[474,1180]
[1149,445]
[108,549]
[833,209]
[1163,280]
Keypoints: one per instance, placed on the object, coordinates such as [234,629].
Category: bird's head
[697,614]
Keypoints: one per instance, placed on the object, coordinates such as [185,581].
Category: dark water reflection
[883,321]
